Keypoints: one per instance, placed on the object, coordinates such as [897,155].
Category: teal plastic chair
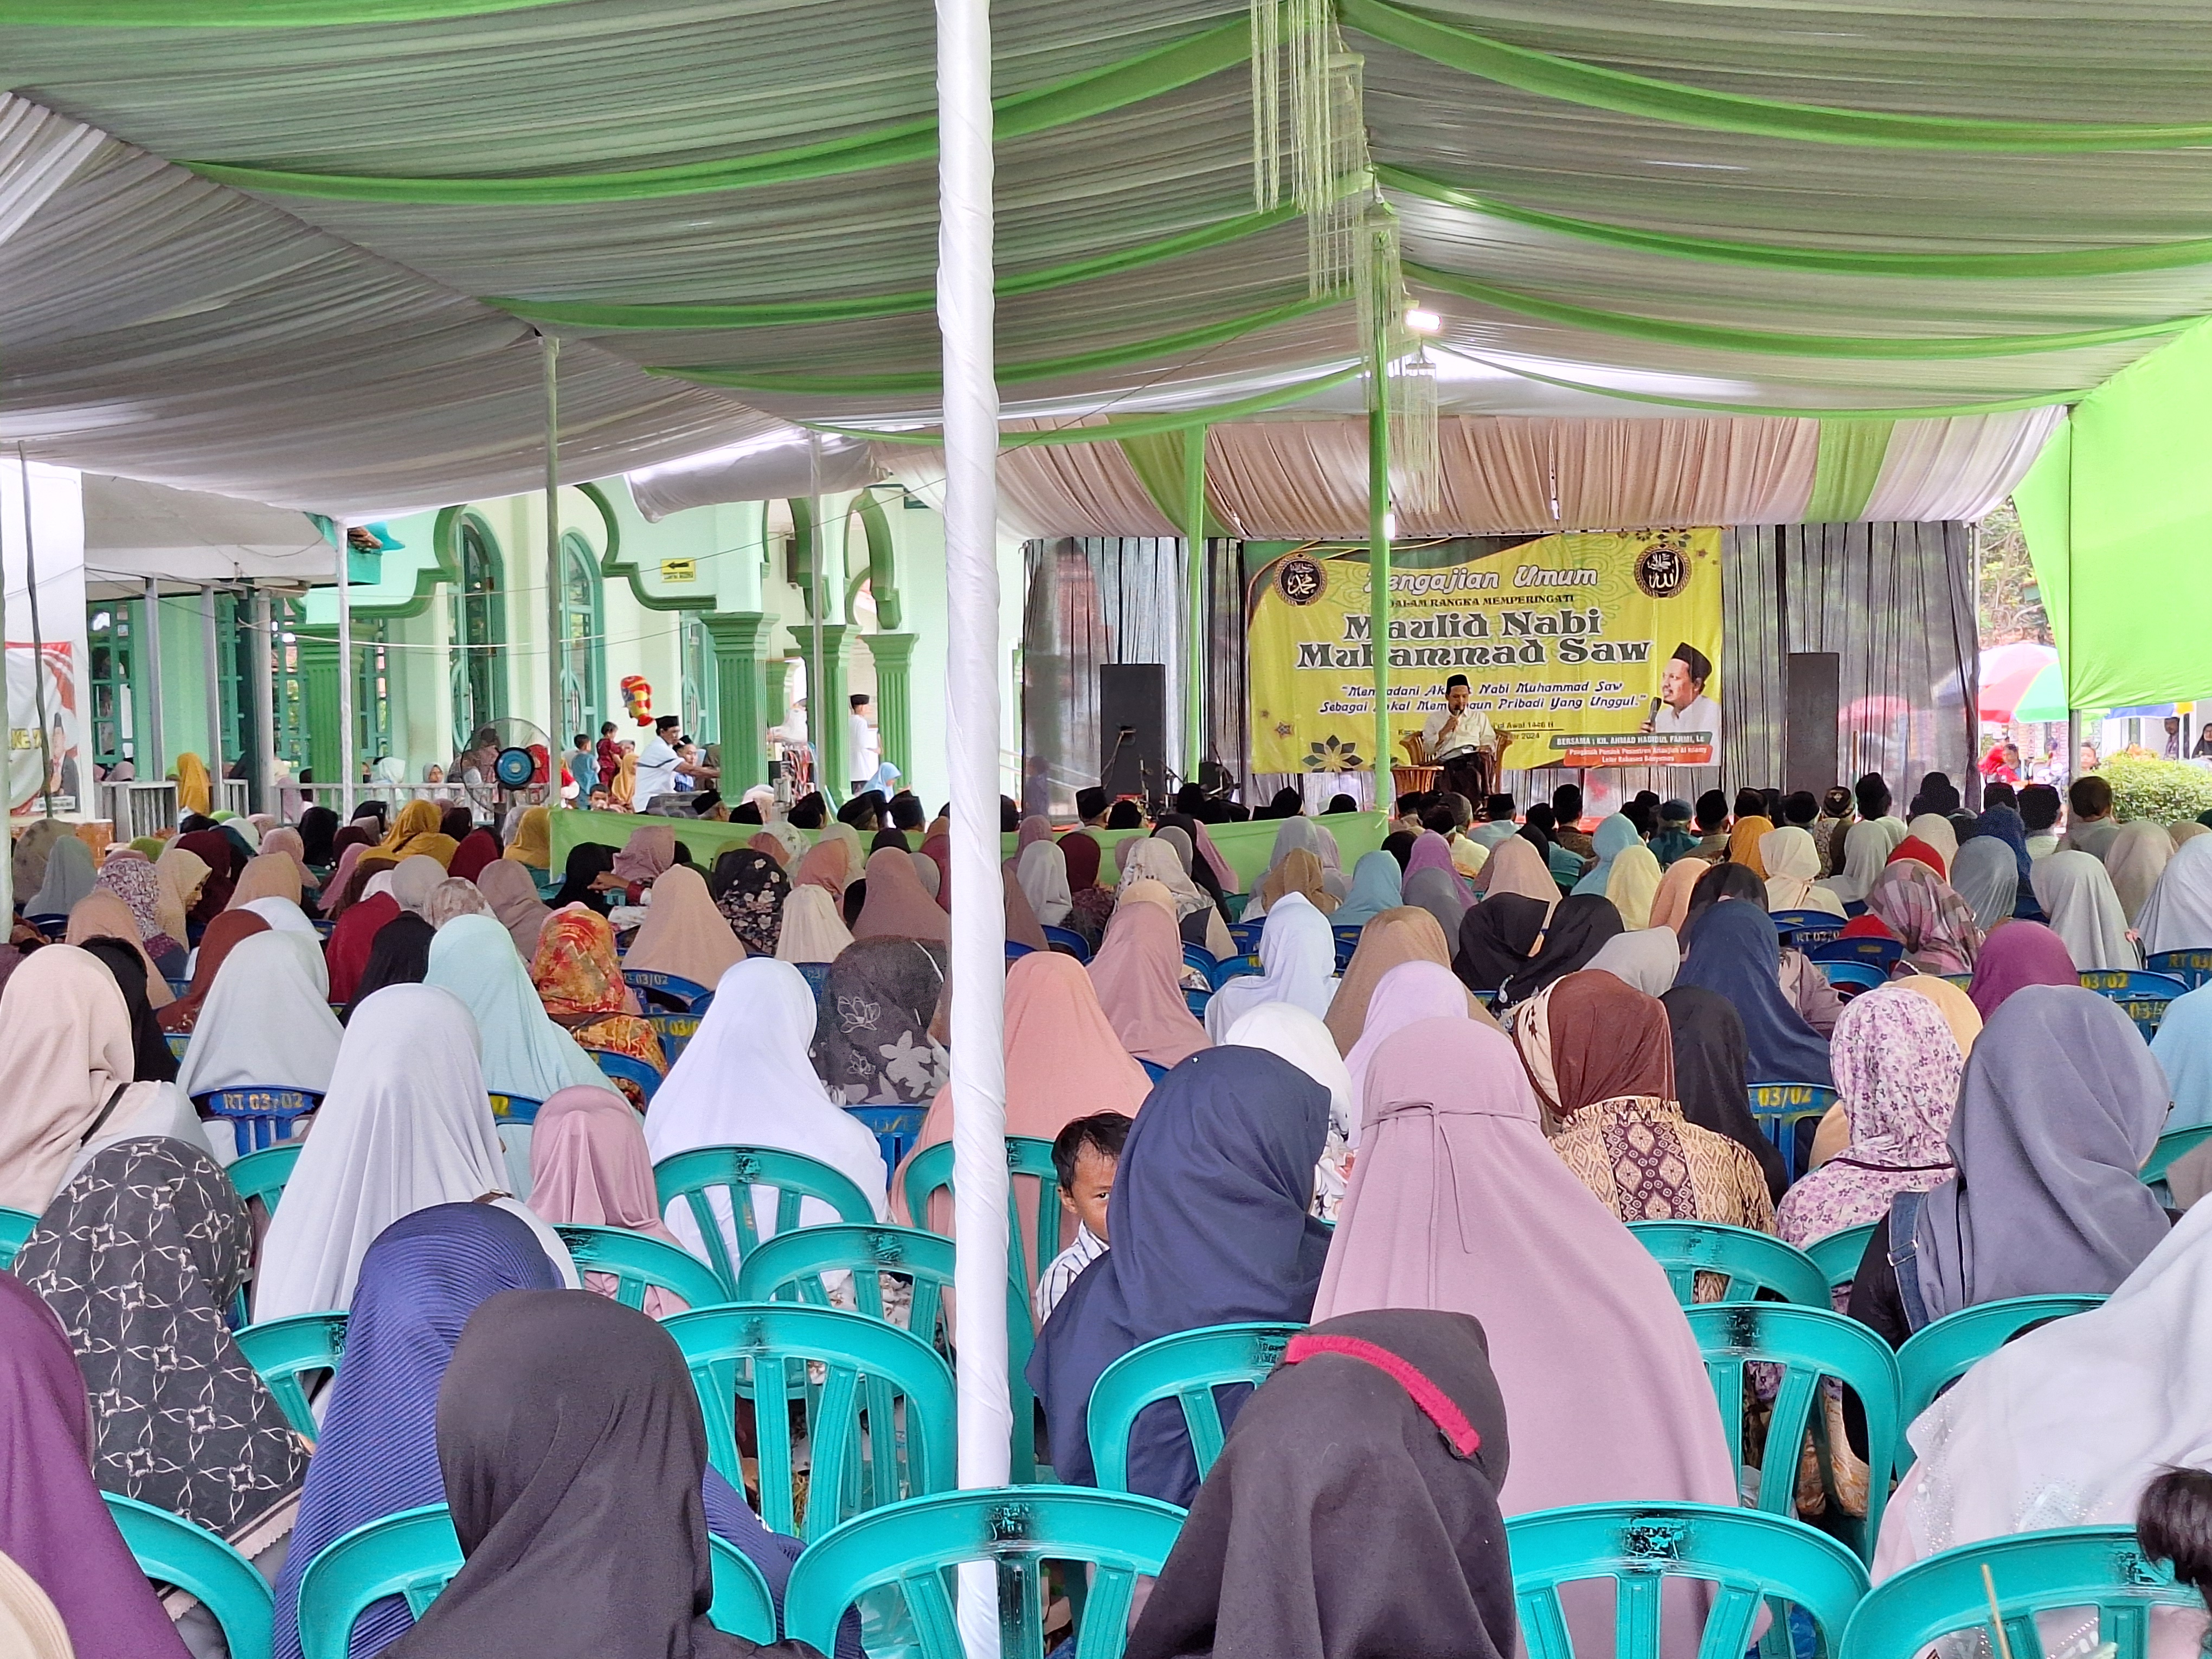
[640,1264]
[1950,1347]
[171,1550]
[1749,1558]
[2099,1567]
[415,1554]
[2171,1146]
[1015,1529]
[1838,1255]
[15,1227]
[1187,1368]
[264,1175]
[1752,1262]
[789,1267]
[625,1068]
[1808,1344]
[759,1351]
[696,1178]
[284,1351]
[1026,1158]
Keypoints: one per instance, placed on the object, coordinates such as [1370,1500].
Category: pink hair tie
[1434,1404]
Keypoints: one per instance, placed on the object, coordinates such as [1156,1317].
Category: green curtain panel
[247,14]
[1845,468]
[2118,522]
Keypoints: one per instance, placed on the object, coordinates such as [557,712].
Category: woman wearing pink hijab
[589,1167]
[1458,1203]
[1138,974]
[897,908]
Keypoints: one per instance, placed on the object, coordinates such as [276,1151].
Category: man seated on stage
[1683,704]
[1462,741]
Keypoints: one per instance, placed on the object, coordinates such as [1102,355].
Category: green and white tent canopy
[296,249]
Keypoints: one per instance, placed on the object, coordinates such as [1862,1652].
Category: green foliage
[2163,791]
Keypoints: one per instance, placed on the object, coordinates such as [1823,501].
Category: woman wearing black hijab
[1381,1438]
[319,826]
[573,1450]
[151,1060]
[588,860]
[1495,938]
[399,955]
[1398,844]
[1712,1063]
[1722,881]
[1579,927]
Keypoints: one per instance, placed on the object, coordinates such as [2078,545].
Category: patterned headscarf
[872,1045]
[577,972]
[1924,910]
[133,881]
[750,889]
[139,1257]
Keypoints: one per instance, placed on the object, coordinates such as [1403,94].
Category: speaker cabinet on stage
[1811,681]
[1132,696]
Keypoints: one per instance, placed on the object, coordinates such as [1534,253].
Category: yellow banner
[1584,650]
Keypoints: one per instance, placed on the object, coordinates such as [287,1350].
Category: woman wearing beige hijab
[683,934]
[1198,919]
[2137,857]
[182,873]
[1792,867]
[267,875]
[1670,905]
[507,887]
[101,914]
[1514,867]
[1406,934]
[30,1625]
[811,930]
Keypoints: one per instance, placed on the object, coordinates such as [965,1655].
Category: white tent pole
[152,757]
[265,712]
[7,772]
[556,740]
[214,695]
[38,644]
[346,758]
[971,576]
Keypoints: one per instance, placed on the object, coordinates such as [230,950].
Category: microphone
[1657,704]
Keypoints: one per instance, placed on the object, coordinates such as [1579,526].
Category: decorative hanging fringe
[1321,147]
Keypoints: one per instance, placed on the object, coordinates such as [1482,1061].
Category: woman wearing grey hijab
[1986,874]
[2059,1105]
[1439,893]
[69,878]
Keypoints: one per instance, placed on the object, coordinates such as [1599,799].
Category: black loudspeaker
[1811,698]
[1133,728]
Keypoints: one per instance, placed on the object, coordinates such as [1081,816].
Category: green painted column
[894,656]
[825,703]
[318,676]
[741,705]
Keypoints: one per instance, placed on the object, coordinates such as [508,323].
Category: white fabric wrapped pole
[346,764]
[971,576]
[556,652]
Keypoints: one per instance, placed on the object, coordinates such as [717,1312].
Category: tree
[2009,606]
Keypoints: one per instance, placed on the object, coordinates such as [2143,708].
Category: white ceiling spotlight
[1420,320]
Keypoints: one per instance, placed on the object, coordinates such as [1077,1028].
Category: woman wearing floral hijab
[750,889]
[871,1041]
[579,979]
[133,881]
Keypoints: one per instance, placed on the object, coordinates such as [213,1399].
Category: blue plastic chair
[698,1177]
[52,926]
[2143,997]
[657,989]
[1948,1348]
[2099,1567]
[264,1175]
[1245,935]
[284,1351]
[1749,1557]
[789,1267]
[1027,1158]
[1015,952]
[1882,953]
[759,1351]
[817,975]
[896,1130]
[1186,1367]
[1347,941]
[1838,1255]
[1234,967]
[1808,1344]
[258,1117]
[1153,1070]
[1806,928]
[625,1068]
[415,1554]
[2171,1146]
[675,1031]
[1015,1529]
[2192,968]
[1751,1262]
[513,1109]
[1198,957]
[1196,1000]
[639,1264]
[1780,1107]
[1066,939]
[171,1550]
[1856,975]
[15,1227]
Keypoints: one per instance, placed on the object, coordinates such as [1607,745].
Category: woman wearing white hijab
[267,1023]
[744,1080]
[1867,848]
[2076,894]
[2064,1426]
[282,914]
[2136,860]
[414,879]
[2178,916]
[1792,861]
[1285,1030]
[1043,873]
[811,930]
[1647,959]
[1937,831]
[406,1125]
[1298,965]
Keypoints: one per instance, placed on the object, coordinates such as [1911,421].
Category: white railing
[139,809]
[235,795]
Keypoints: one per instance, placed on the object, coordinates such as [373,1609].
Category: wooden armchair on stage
[1419,777]
[1471,772]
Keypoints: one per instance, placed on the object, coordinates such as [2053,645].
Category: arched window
[583,641]
[701,682]
[479,619]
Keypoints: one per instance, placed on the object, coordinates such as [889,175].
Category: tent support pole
[264,712]
[972,667]
[347,761]
[1378,537]
[555,646]
[38,642]
[151,760]
[213,695]
[1194,518]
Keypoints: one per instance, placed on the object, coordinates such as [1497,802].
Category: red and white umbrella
[2022,682]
